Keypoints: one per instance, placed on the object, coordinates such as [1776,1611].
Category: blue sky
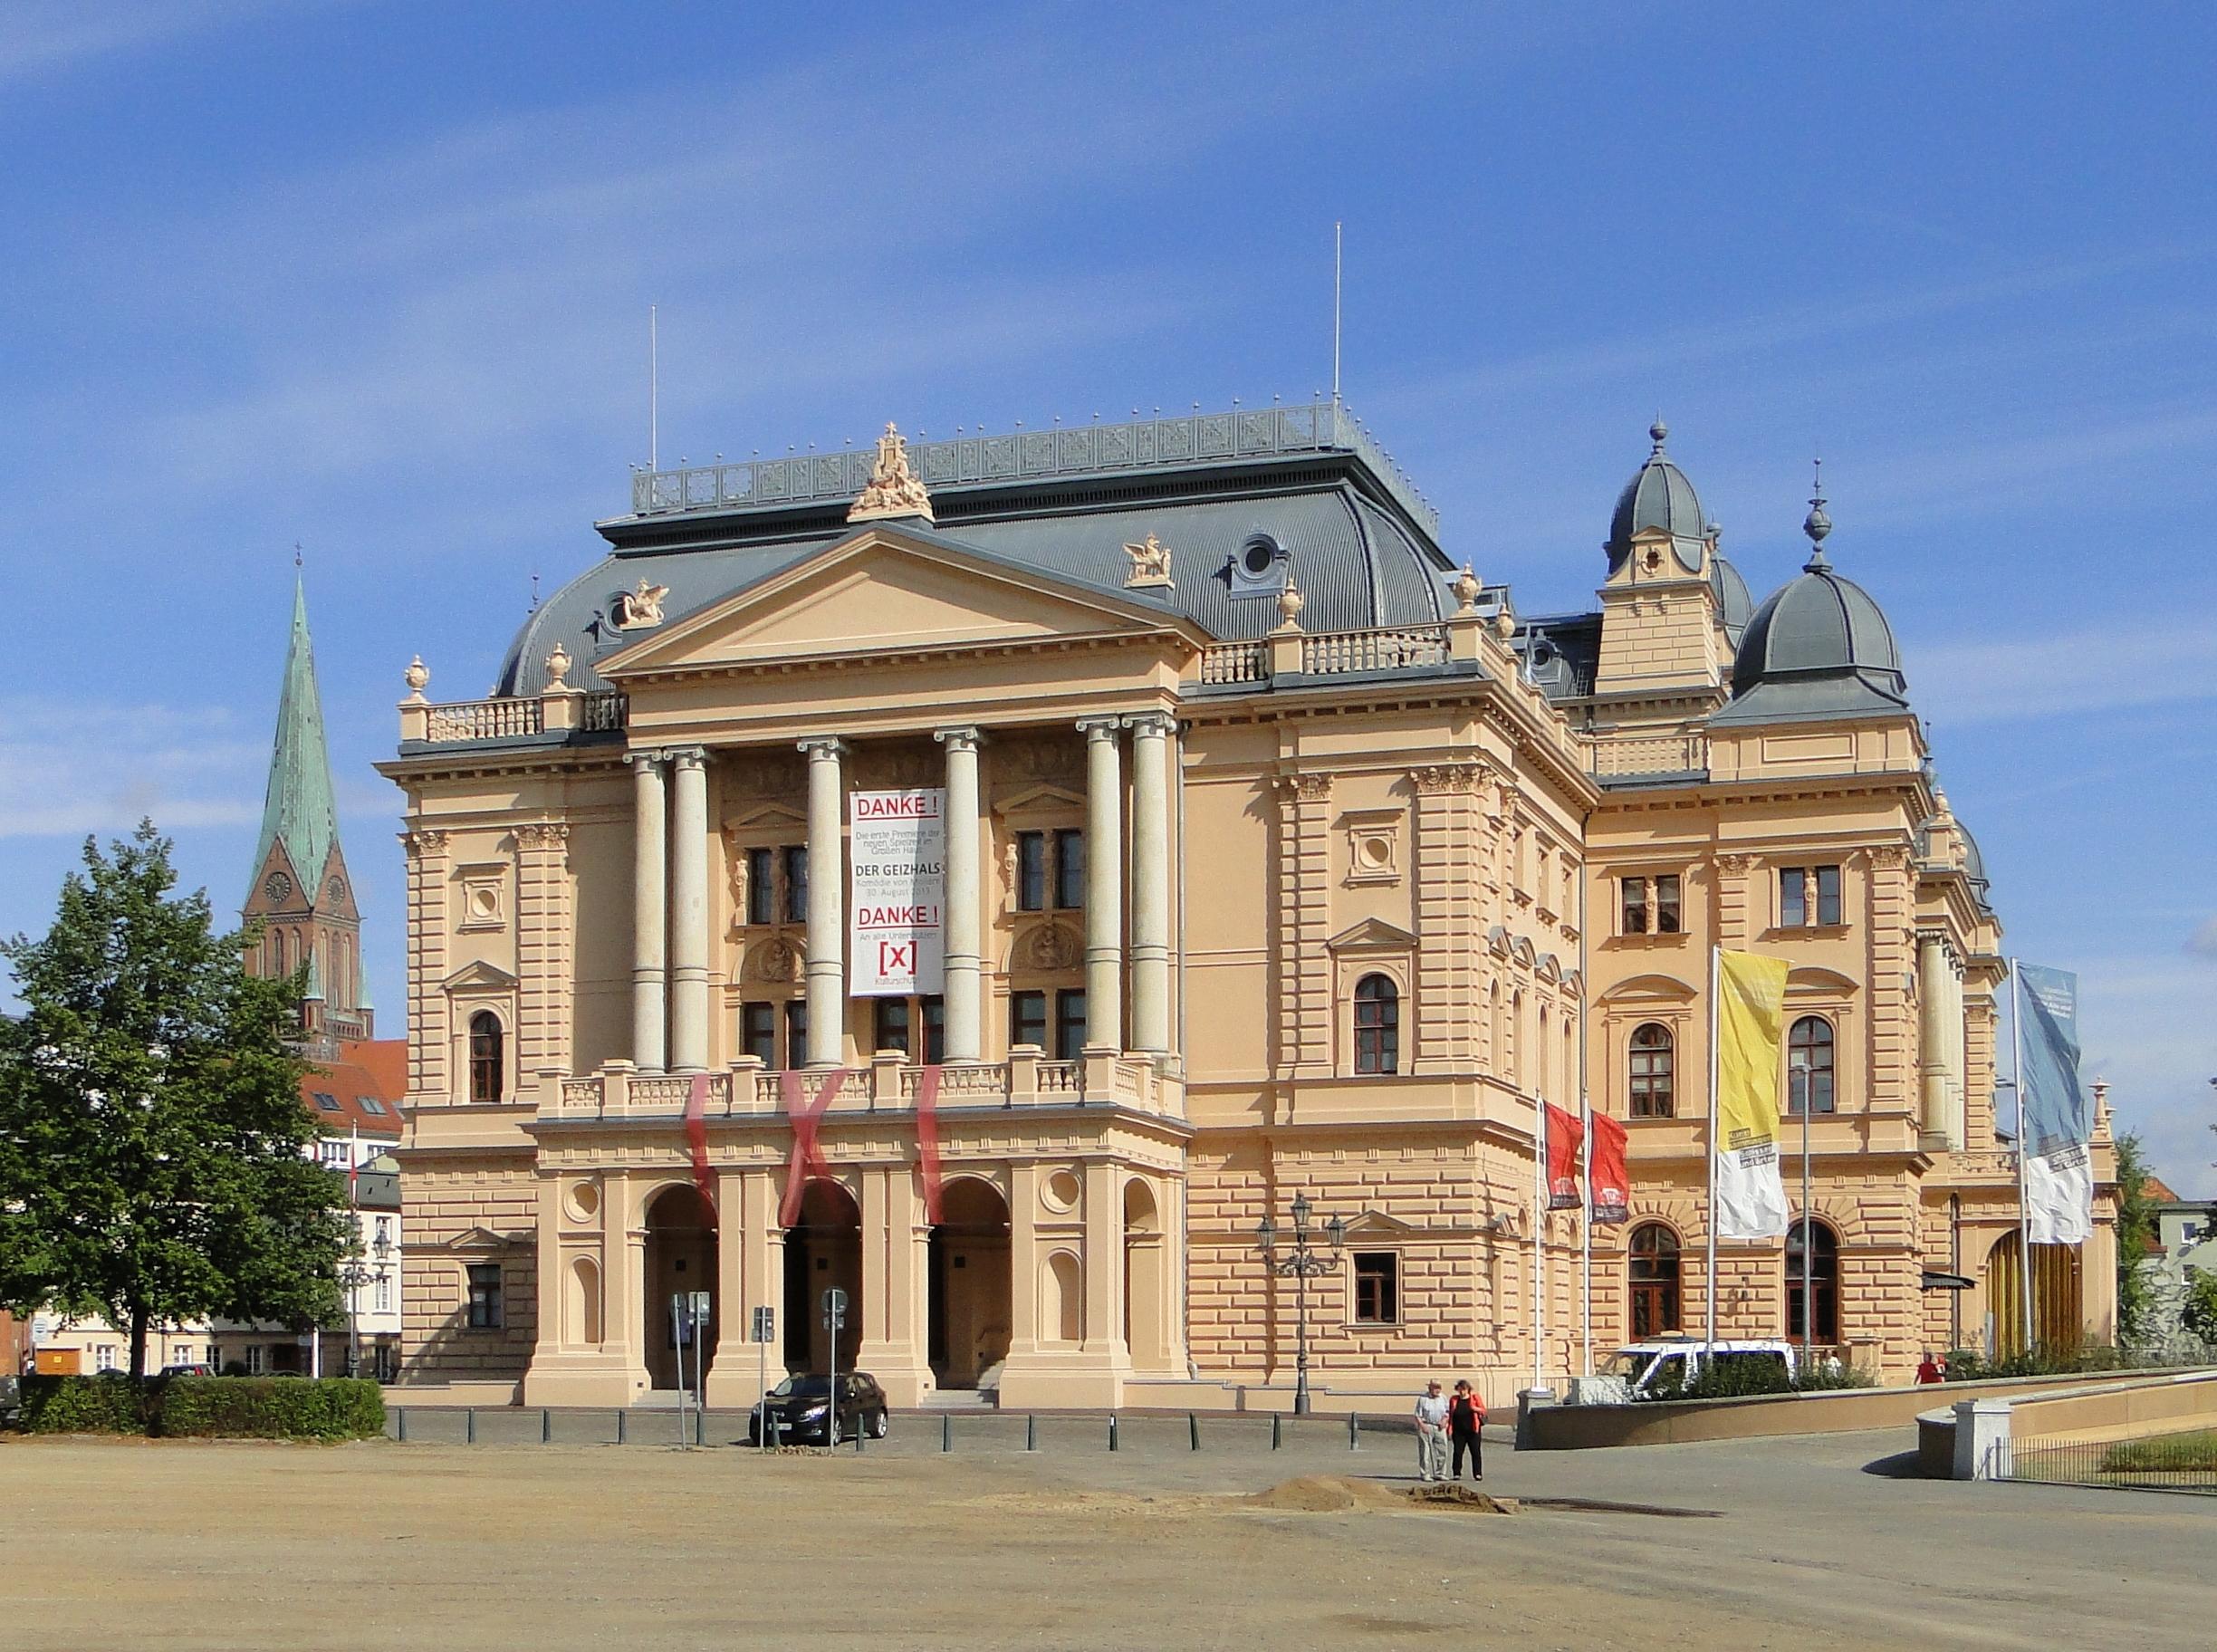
[374,278]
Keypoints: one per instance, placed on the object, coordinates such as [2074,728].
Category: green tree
[2198,1312]
[152,1140]
[2135,1228]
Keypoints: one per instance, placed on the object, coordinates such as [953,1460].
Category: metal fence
[2158,1463]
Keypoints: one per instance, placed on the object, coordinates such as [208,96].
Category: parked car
[1663,1368]
[11,1402]
[799,1410]
[188,1370]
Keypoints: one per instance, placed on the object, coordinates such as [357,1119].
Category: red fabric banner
[808,1162]
[927,1139]
[1564,1134]
[696,1137]
[1605,1177]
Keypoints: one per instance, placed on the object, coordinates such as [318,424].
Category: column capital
[967,738]
[1146,723]
[823,748]
[689,757]
[648,757]
[1101,727]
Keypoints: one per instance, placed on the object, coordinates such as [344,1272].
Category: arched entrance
[2058,1319]
[681,1256]
[824,1250]
[970,1313]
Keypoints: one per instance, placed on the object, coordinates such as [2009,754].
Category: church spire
[299,809]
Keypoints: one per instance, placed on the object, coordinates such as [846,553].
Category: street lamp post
[1300,1264]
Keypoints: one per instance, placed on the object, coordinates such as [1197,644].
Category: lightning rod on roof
[653,384]
[1335,245]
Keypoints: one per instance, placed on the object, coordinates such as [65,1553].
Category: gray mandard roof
[1359,558]
[1818,647]
[1659,496]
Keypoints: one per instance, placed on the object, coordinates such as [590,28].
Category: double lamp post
[1300,1264]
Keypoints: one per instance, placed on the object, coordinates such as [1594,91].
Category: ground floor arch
[681,1258]
[970,1317]
[823,1251]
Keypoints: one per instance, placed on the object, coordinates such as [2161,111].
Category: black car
[799,1410]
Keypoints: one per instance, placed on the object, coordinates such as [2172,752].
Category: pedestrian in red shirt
[1466,1415]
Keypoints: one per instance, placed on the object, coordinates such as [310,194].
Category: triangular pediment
[480,975]
[479,1241]
[887,590]
[1378,1222]
[1371,935]
[765,817]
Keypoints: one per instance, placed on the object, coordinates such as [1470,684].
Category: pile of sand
[1334,1494]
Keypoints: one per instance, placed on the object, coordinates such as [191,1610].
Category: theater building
[1266,850]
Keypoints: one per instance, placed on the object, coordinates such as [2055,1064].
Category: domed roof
[1659,496]
[1735,606]
[1817,647]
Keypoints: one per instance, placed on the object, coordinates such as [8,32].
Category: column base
[900,1371]
[583,1379]
[1062,1379]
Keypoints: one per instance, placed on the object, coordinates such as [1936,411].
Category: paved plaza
[1804,1543]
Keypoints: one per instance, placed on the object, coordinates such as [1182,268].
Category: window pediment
[1650,989]
[480,977]
[1371,935]
[483,1240]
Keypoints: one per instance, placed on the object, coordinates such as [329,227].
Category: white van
[1663,1368]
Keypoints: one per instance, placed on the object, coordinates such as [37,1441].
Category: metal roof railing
[1023,456]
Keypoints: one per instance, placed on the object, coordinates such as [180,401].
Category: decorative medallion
[1050,947]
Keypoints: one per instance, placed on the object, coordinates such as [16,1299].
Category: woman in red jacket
[1465,1416]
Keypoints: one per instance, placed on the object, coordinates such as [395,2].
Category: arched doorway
[2059,1321]
[1819,1319]
[681,1256]
[1146,1336]
[970,1313]
[824,1250]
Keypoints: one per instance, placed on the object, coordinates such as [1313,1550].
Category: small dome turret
[1659,496]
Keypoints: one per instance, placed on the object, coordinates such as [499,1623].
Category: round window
[1257,558]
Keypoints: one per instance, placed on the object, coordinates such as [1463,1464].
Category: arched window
[1378,1025]
[1823,1280]
[276,951]
[487,1067]
[1653,1275]
[1808,1066]
[1539,1057]
[1653,1073]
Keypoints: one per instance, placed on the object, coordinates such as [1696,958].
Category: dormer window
[1258,568]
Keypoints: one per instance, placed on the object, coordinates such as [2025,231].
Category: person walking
[1431,1434]
[1466,1415]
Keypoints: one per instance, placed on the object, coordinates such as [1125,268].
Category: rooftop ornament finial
[894,489]
[1817,524]
[1467,589]
[1658,433]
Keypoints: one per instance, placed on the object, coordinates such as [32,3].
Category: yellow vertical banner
[1750,1023]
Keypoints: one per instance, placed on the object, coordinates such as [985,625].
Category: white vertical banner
[897,906]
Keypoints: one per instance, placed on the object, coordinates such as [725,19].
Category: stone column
[1104,1263]
[649,910]
[688,1049]
[1151,733]
[965,1029]
[428,1032]
[827,905]
[1104,946]
[1932,968]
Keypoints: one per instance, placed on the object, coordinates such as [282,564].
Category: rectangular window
[384,1294]
[1070,1023]
[1377,1288]
[253,1359]
[762,886]
[758,1032]
[1635,905]
[1031,871]
[1027,1019]
[1070,848]
[1666,905]
[1809,895]
[933,1010]
[889,1024]
[104,1356]
[484,1296]
[796,1031]
[796,882]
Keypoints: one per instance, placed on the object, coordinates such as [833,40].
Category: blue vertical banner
[2058,1122]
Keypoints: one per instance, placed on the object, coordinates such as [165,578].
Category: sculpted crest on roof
[894,489]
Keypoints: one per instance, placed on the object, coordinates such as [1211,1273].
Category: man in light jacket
[1431,1434]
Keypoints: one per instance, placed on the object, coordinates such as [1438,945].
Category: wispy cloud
[2203,941]
[2014,678]
[42,36]
[67,769]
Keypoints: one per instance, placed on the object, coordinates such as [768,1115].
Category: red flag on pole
[1605,1177]
[927,1139]
[696,1137]
[807,1160]
[1564,1133]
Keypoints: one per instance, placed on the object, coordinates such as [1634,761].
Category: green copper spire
[299,809]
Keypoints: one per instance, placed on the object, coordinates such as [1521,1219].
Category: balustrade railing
[1646,754]
[1235,662]
[755,1091]
[1385,648]
[509,717]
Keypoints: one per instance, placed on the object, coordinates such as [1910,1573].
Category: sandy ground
[178,1544]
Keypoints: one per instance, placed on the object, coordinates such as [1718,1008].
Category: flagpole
[1586,1231]
[1715,958]
[1809,1304]
[1539,1239]
[2024,1148]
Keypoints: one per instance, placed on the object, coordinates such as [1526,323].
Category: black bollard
[546,1427]
[1030,1434]
[1353,1432]
[622,1419]
[469,1425]
[946,1434]
[1112,1439]
[1277,1431]
[1192,1431]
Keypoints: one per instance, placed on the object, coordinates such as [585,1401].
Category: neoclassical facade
[1281,857]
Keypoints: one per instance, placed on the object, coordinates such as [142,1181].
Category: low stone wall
[1831,1411]
[2088,1411]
